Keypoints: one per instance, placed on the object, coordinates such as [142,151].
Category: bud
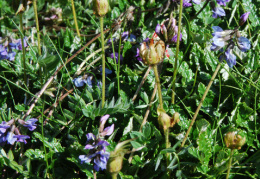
[115,161]
[234,140]
[243,18]
[167,30]
[100,7]
[152,54]
[165,121]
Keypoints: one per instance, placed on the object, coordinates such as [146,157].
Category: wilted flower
[97,146]
[243,18]
[218,11]
[233,140]
[100,7]
[152,54]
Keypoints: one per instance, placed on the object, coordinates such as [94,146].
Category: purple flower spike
[243,44]
[243,18]
[30,124]
[218,12]
[79,82]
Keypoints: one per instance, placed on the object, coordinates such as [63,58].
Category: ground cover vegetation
[129,89]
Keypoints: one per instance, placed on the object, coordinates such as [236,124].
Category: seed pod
[100,7]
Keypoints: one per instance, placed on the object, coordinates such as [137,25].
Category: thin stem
[177,52]
[118,65]
[200,104]
[23,50]
[37,26]
[141,84]
[230,163]
[103,63]
[45,152]
[75,17]
[157,79]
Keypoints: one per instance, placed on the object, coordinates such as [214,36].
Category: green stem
[23,49]
[103,63]
[114,175]
[118,67]
[75,17]
[157,79]
[37,26]
[177,52]
[200,104]
[168,145]
[230,163]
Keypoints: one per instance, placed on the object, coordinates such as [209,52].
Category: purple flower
[218,12]
[243,44]
[3,52]
[116,57]
[243,18]
[17,44]
[30,124]
[79,82]
[219,38]
[107,71]
[10,138]
[229,57]
[3,126]
[186,3]
[222,2]
[138,55]
[197,1]
[21,138]
[97,146]
[97,151]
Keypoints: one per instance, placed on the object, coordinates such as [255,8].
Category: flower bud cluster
[168,31]
[165,121]
[97,146]
[10,133]
[8,49]
[233,140]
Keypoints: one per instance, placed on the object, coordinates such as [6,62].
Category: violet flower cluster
[228,39]
[8,50]
[88,80]
[97,146]
[10,133]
